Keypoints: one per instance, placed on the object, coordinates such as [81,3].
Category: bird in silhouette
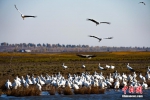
[97,23]
[105,22]
[143,3]
[23,16]
[86,56]
[96,37]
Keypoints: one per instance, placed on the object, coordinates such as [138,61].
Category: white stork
[112,67]
[64,66]
[83,66]
[101,68]
[23,16]
[148,69]
[130,68]
[8,84]
[145,85]
[107,66]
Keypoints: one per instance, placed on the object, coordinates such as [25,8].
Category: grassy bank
[21,64]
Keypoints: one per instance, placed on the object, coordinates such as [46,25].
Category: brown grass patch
[148,83]
[80,90]
[21,91]
[52,90]
[67,91]
[1,92]
[95,90]
[87,90]
[102,91]
[60,90]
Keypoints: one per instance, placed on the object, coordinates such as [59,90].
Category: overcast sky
[65,22]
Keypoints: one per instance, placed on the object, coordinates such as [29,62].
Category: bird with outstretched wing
[105,22]
[142,3]
[24,16]
[86,56]
[109,38]
[96,37]
[97,23]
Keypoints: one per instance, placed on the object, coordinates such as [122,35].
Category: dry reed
[60,90]
[67,91]
[21,91]
[94,90]
[52,90]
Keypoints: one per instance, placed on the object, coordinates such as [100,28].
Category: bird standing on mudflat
[130,68]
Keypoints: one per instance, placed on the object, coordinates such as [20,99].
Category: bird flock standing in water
[112,80]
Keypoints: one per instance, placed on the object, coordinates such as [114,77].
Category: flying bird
[105,22]
[24,16]
[86,56]
[96,37]
[97,23]
[143,3]
[109,38]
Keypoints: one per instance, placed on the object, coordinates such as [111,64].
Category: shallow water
[110,94]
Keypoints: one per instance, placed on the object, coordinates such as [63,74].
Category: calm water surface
[109,95]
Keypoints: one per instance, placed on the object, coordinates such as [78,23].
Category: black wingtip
[104,69]
[132,70]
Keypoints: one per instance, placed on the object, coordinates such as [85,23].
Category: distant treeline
[5,47]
